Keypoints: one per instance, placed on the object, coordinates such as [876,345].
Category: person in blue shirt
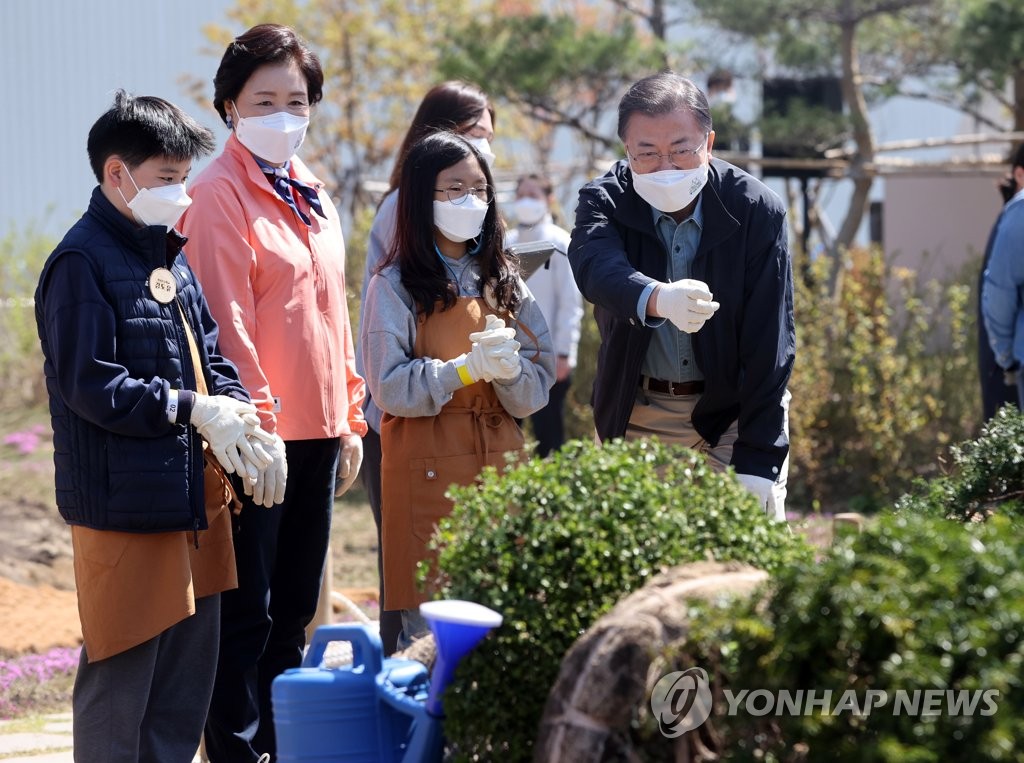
[1002,306]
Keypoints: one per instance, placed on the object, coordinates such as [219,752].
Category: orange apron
[422,456]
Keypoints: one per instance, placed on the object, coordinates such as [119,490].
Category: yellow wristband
[464,374]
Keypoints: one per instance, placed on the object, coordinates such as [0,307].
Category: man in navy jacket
[686,260]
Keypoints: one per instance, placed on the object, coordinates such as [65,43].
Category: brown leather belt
[672,388]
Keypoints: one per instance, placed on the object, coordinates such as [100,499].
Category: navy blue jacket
[745,351]
[112,353]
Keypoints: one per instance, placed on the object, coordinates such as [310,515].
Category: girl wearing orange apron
[454,349]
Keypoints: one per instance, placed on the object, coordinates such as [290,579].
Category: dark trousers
[995,393]
[147,705]
[280,553]
[549,421]
[390,620]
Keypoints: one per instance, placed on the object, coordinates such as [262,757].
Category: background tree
[825,37]
[560,70]
[379,58]
[988,46]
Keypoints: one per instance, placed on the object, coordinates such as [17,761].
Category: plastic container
[332,715]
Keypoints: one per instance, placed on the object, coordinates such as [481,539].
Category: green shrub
[22,254]
[987,475]
[913,603]
[884,381]
[879,392]
[553,544]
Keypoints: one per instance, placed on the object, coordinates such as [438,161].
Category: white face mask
[529,211]
[274,138]
[163,205]
[484,148]
[670,190]
[460,222]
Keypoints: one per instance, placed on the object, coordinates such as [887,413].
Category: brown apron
[134,586]
[422,456]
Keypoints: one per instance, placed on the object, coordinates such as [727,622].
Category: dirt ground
[38,606]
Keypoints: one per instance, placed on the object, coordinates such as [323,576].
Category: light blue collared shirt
[670,355]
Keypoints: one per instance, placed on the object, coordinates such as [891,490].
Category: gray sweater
[406,386]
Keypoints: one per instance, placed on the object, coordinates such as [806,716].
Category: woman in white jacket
[560,301]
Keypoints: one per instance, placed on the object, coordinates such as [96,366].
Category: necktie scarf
[284,183]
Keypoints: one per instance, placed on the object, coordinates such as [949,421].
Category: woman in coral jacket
[266,243]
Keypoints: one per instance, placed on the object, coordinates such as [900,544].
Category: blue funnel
[458,626]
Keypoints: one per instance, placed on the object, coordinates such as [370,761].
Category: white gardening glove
[762,490]
[490,362]
[494,355]
[225,424]
[687,303]
[349,461]
[268,486]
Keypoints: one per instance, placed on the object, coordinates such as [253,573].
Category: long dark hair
[413,247]
[454,105]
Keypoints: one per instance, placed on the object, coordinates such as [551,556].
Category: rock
[605,677]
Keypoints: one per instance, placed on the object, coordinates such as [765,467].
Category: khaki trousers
[670,418]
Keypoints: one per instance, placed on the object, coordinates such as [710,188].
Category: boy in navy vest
[136,385]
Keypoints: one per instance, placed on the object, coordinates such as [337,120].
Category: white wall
[934,225]
[62,60]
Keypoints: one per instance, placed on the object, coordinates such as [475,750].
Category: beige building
[937,225]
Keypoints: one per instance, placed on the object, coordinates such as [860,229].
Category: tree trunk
[657,21]
[864,141]
[1018,100]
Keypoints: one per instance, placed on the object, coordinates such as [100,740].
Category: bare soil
[38,605]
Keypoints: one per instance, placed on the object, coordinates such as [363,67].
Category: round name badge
[162,285]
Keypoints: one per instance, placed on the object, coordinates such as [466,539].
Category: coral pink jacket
[277,290]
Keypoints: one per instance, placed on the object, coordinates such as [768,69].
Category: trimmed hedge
[913,604]
[553,544]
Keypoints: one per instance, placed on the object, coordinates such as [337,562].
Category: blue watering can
[375,710]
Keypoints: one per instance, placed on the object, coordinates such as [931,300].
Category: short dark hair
[663,93]
[137,128]
[454,105]
[720,78]
[1007,184]
[544,182]
[413,247]
[261,45]
[1018,157]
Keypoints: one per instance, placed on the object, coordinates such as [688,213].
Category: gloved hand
[495,353]
[1010,375]
[268,486]
[687,303]
[349,461]
[762,490]
[226,424]
[495,333]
